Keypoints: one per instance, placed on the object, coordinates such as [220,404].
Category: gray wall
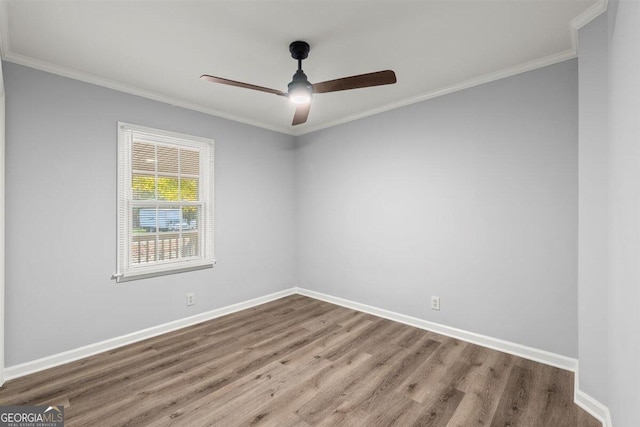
[61,206]
[471,197]
[624,216]
[593,208]
[609,277]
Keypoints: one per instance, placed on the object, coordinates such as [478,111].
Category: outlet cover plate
[191,299]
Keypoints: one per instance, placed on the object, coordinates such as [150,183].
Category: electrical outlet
[191,298]
[435,303]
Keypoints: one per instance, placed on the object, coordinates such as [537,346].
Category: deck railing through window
[146,248]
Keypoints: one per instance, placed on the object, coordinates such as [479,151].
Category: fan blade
[215,79]
[377,78]
[302,112]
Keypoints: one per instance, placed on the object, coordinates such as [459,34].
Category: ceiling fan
[300,90]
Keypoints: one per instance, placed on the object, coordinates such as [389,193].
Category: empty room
[320,213]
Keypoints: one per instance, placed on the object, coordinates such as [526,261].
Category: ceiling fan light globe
[300,92]
[300,98]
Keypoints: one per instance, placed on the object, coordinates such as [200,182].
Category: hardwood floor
[302,362]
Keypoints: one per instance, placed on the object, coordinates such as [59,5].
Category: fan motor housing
[299,50]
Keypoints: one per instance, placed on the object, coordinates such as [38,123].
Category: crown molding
[584,18]
[590,14]
[575,24]
[487,78]
[27,61]
[4,38]
[578,22]
[4,27]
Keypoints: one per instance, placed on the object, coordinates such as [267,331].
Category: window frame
[125,270]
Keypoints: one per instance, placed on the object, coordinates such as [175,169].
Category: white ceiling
[159,49]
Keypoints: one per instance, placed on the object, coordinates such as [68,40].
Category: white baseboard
[33,366]
[542,356]
[588,403]
[593,407]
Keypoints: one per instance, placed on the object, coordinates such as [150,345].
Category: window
[165,202]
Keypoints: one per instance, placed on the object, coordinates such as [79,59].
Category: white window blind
[165,202]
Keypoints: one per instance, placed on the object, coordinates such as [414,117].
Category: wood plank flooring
[303,362]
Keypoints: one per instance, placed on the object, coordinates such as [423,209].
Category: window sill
[148,273]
